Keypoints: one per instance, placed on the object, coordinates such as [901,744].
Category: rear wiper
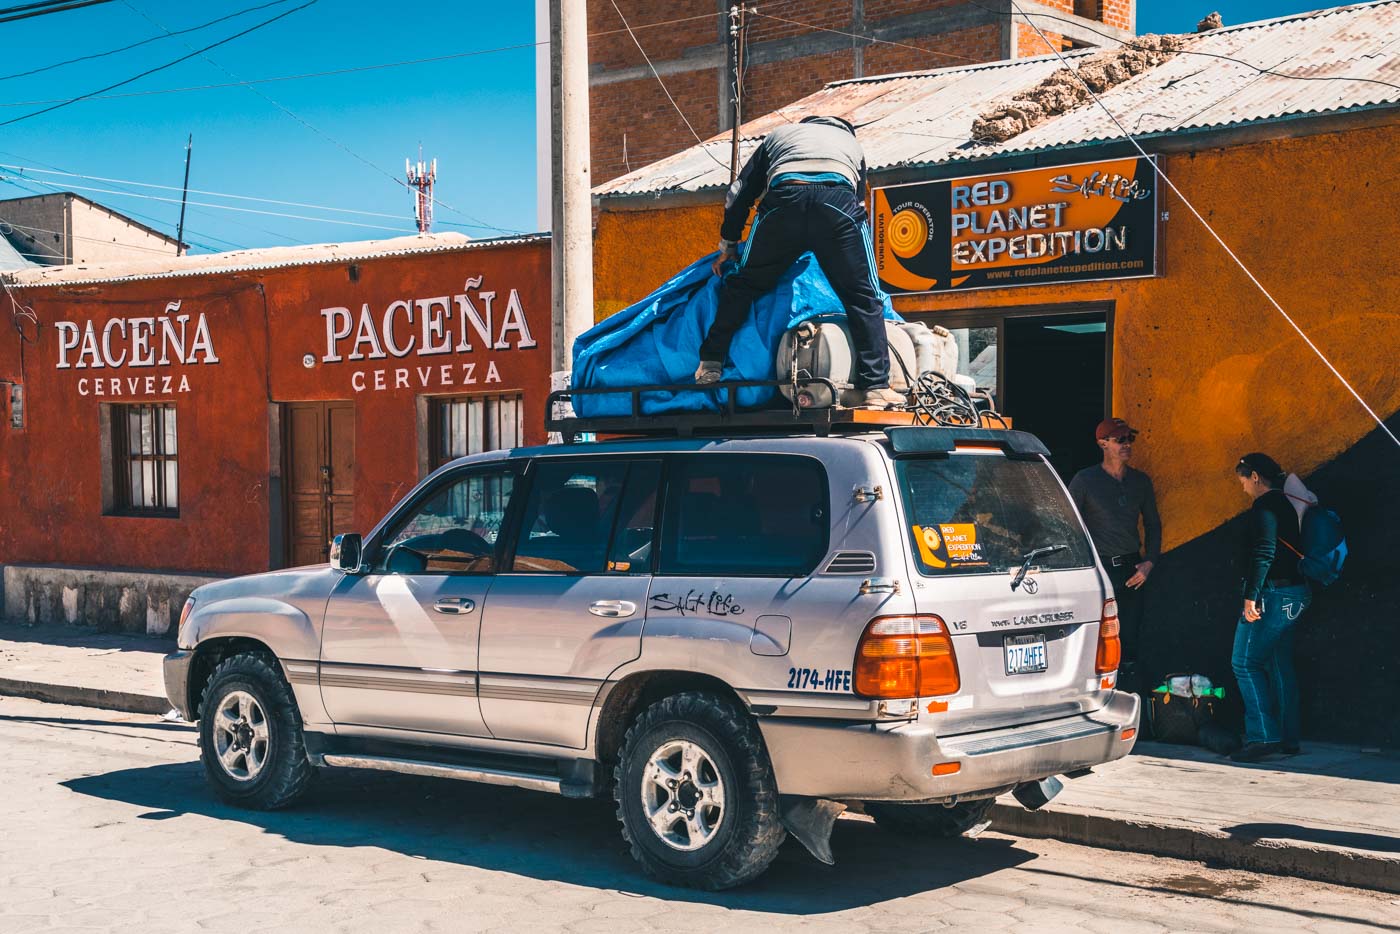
[1030,556]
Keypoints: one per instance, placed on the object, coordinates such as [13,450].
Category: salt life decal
[708,602]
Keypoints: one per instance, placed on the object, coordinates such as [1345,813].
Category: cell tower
[420,179]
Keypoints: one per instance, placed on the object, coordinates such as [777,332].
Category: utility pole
[184,196]
[738,23]
[571,242]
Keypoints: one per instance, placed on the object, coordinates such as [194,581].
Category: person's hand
[1251,611]
[727,252]
[1140,578]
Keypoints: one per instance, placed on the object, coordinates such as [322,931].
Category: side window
[569,516]
[635,531]
[455,530]
[745,515]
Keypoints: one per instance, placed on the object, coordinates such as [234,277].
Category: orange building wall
[1201,362]
[51,472]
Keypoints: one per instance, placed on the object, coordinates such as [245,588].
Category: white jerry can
[821,348]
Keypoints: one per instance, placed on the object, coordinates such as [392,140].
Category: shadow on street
[554,839]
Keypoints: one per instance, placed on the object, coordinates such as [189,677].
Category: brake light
[905,656]
[1110,648]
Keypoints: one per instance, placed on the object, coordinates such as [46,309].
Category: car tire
[250,738]
[930,820]
[696,795]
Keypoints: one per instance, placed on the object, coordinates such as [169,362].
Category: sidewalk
[1331,814]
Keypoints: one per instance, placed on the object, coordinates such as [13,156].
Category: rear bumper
[177,681]
[877,762]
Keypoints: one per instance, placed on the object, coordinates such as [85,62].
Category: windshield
[973,513]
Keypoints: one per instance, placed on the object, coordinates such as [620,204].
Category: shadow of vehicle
[550,838]
[1334,761]
[1349,839]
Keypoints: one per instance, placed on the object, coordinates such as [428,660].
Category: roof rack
[728,420]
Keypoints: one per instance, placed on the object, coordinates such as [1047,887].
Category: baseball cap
[1113,428]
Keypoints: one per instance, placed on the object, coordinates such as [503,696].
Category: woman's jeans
[1263,663]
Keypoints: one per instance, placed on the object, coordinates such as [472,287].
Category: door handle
[612,609]
[454,605]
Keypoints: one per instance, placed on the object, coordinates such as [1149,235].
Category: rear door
[569,607]
[1024,654]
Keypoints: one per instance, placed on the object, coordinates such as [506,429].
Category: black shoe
[1255,752]
[1290,749]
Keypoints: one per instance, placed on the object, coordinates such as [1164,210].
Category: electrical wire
[44,9]
[637,42]
[134,45]
[210,204]
[151,71]
[200,191]
[1211,230]
[870,39]
[6,226]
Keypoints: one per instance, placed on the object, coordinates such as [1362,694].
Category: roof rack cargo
[728,420]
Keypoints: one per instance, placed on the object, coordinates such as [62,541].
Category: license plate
[1025,654]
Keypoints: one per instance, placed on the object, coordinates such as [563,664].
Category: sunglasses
[1128,438]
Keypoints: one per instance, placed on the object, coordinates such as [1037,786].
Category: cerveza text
[709,602]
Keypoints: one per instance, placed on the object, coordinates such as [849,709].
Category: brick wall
[801,54]
[1029,44]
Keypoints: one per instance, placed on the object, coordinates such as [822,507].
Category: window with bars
[463,425]
[145,460]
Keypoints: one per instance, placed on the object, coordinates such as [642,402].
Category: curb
[76,696]
[1299,860]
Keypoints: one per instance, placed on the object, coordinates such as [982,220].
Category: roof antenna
[421,178]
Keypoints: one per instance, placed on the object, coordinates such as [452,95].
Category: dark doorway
[1054,382]
[320,450]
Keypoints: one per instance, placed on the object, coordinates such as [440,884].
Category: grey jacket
[798,147]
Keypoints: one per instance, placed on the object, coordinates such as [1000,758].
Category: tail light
[905,656]
[1110,647]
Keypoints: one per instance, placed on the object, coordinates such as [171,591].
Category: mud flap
[810,820]
[1035,795]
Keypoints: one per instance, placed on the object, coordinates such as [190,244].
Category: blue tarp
[658,339]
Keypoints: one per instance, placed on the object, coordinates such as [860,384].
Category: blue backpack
[1324,545]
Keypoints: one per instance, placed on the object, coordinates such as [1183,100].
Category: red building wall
[264,328]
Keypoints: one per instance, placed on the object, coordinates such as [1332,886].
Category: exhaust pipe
[1035,795]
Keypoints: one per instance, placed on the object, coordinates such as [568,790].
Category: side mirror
[347,552]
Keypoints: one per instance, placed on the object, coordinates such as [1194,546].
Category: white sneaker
[883,399]
[709,371]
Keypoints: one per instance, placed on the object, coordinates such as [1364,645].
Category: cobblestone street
[109,826]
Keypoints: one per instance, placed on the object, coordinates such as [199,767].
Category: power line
[151,71]
[126,246]
[200,191]
[664,89]
[44,9]
[1211,230]
[870,39]
[127,48]
[210,204]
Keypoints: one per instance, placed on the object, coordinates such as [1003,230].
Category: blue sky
[475,114]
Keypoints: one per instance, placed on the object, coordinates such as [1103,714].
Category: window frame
[437,405]
[397,518]
[123,457]
[667,517]
[631,460]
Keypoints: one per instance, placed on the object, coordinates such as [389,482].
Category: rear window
[973,513]
[745,515]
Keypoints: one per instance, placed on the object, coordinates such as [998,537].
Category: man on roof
[811,176]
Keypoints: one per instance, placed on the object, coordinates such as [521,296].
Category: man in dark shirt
[1112,497]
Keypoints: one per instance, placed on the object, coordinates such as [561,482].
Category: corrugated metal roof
[250,260]
[925,118]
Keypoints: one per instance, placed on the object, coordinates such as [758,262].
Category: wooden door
[320,471]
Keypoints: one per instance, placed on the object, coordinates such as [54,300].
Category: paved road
[105,824]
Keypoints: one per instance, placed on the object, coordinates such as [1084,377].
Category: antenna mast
[420,179]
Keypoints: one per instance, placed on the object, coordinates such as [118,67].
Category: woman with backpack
[1275,596]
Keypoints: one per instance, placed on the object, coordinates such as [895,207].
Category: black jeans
[1131,602]
[827,220]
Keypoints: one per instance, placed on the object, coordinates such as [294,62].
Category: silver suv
[735,638]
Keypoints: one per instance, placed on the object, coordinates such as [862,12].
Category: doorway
[320,472]
[1054,382]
